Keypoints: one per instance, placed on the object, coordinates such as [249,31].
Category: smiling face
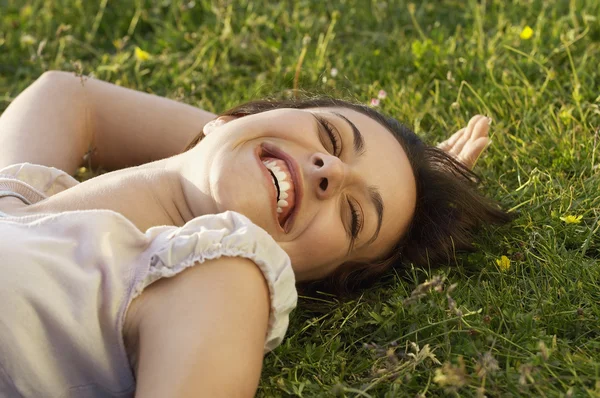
[350,188]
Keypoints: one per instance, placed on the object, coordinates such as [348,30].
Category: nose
[328,175]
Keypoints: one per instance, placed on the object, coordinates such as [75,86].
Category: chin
[250,210]
[260,221]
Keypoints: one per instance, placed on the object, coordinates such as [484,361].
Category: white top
[67,279]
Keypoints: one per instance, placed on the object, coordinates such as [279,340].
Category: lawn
[518,317]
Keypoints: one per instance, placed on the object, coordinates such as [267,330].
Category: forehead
[383,165]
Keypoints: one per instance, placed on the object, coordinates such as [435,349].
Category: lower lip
[270,187]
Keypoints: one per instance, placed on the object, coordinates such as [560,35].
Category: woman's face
[324,201]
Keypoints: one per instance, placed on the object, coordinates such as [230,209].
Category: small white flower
[27,39]
[333,72]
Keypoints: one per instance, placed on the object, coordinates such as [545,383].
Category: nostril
[323,184]
[319,162]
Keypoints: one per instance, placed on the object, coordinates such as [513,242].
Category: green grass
[531,330]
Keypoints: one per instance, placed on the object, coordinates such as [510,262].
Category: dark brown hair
[448,208]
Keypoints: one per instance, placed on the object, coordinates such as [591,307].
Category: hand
[468,143]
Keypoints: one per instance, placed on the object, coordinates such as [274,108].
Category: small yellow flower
[503,263]
[572,219]
[565,116]
[26,11]
[526,33]
[141,55]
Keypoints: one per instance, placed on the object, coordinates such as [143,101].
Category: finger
[473,121]
[456,136]
[481,128]
[474,150]
[452,140]
[443,146]
[460,143]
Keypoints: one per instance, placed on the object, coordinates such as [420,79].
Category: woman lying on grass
[100,291]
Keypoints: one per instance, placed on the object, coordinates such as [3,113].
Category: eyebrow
[374,194]
[359,141]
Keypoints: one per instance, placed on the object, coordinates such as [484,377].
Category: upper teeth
[284,185]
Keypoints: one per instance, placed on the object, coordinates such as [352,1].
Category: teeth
[284,185]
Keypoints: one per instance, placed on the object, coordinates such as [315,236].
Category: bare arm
[60,117]
[202,332]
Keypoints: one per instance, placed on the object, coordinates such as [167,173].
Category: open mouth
[283,174]
[282,180]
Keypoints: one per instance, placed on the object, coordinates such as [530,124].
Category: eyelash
[356,223]
[335,141]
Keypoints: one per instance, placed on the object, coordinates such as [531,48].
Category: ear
[216,123]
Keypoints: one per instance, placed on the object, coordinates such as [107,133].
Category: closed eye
[356,222]
[333,135]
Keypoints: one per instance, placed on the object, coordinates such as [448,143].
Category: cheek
[316,252]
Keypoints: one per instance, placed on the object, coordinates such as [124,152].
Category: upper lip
[273,151]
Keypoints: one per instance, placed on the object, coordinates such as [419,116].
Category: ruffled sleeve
[34,182]
[227,234]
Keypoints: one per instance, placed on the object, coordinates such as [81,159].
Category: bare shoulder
[201,333]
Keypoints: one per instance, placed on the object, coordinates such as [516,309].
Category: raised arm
[61,117]
[202,332]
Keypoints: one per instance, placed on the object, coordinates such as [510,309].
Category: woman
[338,189]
